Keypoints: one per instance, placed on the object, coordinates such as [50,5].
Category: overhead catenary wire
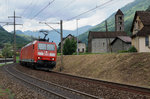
[68,4]
[27,8]
[33,8]
[42,9]
[90,10]
[59,10]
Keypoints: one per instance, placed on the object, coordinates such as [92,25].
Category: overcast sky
[56,10]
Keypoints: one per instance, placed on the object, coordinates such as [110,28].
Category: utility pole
[61,38]
[107,36]
[61,33]
[108,42]
[77,36]
[14,45]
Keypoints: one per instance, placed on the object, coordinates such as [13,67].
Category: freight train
[39,54]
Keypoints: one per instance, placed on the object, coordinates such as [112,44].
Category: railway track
[46,88]
[7,60]
[122,87]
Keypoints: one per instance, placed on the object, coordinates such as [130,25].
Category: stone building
[124,43]
[81,46]
[100,42]
[141,31]
[119,21]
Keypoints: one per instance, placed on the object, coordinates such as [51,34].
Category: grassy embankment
[128,68]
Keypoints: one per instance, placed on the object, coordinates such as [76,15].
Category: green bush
[70,47]
[7,51]
[132,49]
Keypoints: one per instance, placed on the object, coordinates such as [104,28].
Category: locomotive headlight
[52,54]
[52,58]
[40,53]
[39,57]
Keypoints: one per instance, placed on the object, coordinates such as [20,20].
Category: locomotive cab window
[51,47]
[41,46]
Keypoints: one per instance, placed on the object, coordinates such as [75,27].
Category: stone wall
[119,45]
[100,45]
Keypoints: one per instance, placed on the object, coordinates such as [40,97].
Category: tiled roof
[126,39]
[144,16]
[144,32]
[100,34]
[119,12]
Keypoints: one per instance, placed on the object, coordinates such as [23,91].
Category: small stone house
[124,43]
[81,46]
[141,31]
[68,37]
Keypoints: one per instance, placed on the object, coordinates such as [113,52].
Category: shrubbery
[7,51]
[69,47]
[132,49]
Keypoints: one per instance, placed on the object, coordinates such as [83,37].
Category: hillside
[122,68]
[129,12]
[6,37]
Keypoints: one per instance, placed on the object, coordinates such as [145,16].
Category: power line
[42,9]
[32,7]
[65,6]
[90,10]
[47,23]
[27,7]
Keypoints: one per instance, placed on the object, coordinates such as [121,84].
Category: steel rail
[119,86]
[79,93]
[44,89]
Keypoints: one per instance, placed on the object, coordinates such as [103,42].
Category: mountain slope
[53,36]
[6,37]
[129,12]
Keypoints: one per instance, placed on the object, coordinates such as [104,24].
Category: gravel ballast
[19,90]
[80,85]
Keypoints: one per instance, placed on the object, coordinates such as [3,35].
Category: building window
[120,18]
[120,23]
[82,49]
[78,50]
[120,28]
[103,44]
[146,41]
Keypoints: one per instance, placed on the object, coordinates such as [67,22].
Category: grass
[17,59]
[1,64]
[6,93]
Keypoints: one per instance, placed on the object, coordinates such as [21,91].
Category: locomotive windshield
[50,47]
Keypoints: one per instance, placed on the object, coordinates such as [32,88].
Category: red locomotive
[39,54]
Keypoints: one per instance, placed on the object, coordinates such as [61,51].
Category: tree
[7,50]
[70,47]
